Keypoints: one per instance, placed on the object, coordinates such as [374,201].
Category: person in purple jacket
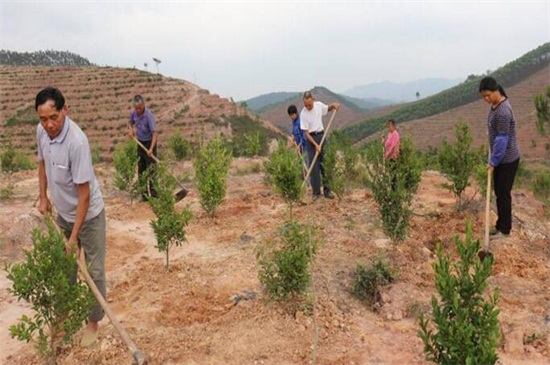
[505,153]
[144,121]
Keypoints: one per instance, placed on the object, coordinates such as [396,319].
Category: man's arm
[82,206]
[334,106]
[311,140]
[45,205]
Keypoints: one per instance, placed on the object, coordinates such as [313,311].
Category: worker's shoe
[498,235]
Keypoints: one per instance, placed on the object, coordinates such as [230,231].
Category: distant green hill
[42,58]
[368,103]
[462,94]
[258,103]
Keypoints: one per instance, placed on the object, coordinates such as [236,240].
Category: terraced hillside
[431,131]
[463,94]
[99,100]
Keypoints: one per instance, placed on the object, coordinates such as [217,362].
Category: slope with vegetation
[99,100]
[467,92]
[42,58]
[348,113]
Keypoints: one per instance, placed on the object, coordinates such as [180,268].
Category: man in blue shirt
[146,133]
[297,132]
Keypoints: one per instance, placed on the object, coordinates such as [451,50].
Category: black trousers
[503,179]
[318,172]
[144,163]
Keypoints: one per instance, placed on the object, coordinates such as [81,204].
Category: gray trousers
[91,239]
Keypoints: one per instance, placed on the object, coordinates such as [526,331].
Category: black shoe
[329,195]
[315,197]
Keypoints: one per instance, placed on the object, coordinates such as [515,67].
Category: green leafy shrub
[334,169]
[211,169]
[44,281]
[465,319]
[458,161]
[370,279]
[180,147]
[349,153]
[6,192]
[542,107]
[249,145]
[284,265]
[125,159]
[170,225]
[96,155]
[283,170]
[394,204]
[541,185]
[13,160]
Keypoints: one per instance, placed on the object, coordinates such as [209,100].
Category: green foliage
[125,159]
[462,94]
[245,124]
[13,160]
[430,159]
[6,192]
[541,185]
[211,169]
[457,160]
[394,205]
[284,265]
[466,321]
[96,155]
[480,175]
[169,227]
[249,145]
[543,111]
[180,147]
[283,170]
[333,167]
[44,280]
[348,153]
[25,116]
[370,279]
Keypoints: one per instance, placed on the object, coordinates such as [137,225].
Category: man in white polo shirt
[311,122]
[65,169]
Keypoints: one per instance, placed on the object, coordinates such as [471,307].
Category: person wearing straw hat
[311,122]
[144,121]
[65,169]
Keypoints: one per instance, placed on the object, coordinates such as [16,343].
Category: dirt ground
[188,314]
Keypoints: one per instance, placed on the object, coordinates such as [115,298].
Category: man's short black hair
[292,110]
[50,93]
[392,122]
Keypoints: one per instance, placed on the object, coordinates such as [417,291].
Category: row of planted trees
[462,318]
[463,328]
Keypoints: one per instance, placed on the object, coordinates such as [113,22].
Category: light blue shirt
[68,162]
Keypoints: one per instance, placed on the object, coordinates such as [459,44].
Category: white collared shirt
[312,120]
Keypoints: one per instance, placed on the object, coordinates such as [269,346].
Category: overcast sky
[243,49]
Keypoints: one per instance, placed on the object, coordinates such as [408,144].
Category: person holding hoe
[505,154]
[144,121]
[65,169]
[311,122]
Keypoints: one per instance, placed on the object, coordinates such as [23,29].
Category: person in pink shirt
[391,151]
[392,142]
